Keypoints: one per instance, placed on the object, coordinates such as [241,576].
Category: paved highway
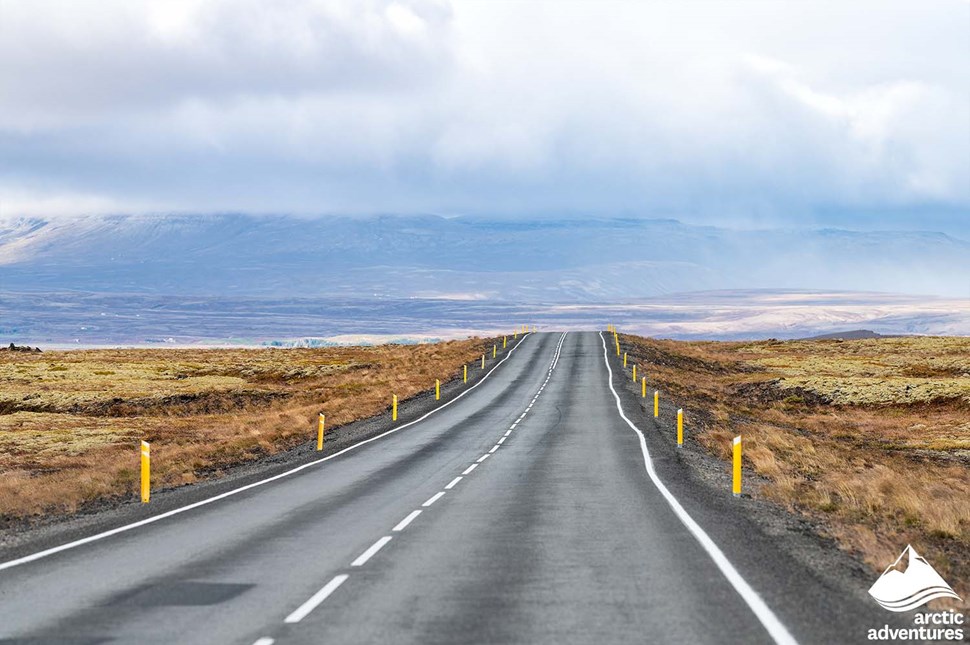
[523,512]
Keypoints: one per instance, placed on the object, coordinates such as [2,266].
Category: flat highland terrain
[870,438]
[71,421]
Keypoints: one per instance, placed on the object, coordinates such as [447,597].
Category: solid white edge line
[235,491]
[470,469]
[315,600]
[403,524]
[483,458]
[762,612]
[371,550]
[434,498]
[453,482]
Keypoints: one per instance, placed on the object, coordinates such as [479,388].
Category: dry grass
[871,437]
[70,422]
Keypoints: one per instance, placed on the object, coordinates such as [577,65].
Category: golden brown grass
[870,437]
[70,421]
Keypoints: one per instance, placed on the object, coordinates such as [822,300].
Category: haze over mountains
[538,261]
[150,263]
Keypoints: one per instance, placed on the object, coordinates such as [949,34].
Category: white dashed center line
[303,610]
[371,550]
[403,524]
[317,598]
[452,483]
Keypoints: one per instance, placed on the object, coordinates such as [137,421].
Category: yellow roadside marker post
[737,466]
[321,426]
[504,341]
[624,359]
[464,378]
[680,428]
[643,387]
[515,334]
[437,390]
[656,403]
[394,408]
[634,373]
[483,361]
[494,351]
[146,472]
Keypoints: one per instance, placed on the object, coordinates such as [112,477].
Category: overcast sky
[737,113]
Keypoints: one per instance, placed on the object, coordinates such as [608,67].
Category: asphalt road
[523,512]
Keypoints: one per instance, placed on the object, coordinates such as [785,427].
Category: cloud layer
[744,112]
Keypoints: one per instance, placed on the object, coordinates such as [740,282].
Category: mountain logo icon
[905,586]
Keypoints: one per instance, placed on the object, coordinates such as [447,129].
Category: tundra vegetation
[869,438]
[71,421]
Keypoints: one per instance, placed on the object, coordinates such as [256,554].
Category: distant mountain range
[235,279]
[549,260]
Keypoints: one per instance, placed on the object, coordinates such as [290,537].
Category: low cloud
[747,114]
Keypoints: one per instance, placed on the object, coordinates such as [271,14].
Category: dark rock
[19,348]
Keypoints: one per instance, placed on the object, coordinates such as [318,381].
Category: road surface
[523,512]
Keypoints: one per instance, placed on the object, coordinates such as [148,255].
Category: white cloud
[19,202]
[72,60]
[751,110]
